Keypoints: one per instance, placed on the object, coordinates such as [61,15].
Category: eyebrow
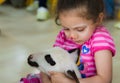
[79,25]
[76,26]
[64,26]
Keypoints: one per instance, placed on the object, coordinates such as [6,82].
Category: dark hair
[90,8]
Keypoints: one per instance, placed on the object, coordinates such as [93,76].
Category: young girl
[82,28]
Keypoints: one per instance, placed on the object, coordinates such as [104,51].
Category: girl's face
[76,28]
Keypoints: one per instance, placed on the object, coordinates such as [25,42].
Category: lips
[78,42]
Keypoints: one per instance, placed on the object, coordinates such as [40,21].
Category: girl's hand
[44,78]
[57,77]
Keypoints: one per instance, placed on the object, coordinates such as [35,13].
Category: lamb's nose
[32,63]
[30,57]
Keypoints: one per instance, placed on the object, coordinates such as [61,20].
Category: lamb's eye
[49,59]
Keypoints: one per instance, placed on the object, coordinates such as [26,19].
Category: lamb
[56,59]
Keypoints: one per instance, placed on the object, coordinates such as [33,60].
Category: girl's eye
[80,30]
[66,29]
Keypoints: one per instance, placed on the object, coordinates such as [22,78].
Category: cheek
[85,36]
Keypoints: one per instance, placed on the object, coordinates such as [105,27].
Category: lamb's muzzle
[32,63]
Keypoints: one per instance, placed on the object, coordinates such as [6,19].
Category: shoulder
[59,38]
[61,34]
[101,31]
[102,40]
[100,34]
[63,42]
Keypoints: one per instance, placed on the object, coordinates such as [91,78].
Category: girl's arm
[103,61]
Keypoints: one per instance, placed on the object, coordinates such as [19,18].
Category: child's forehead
[80,25]
[77,26]
[79,12]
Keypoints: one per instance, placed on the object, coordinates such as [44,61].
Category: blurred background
[26,27]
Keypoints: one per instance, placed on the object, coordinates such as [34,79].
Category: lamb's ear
[74,53]
[73,75]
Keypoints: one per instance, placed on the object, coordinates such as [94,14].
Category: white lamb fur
[55,59]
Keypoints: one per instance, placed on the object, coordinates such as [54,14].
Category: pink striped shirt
[100,40]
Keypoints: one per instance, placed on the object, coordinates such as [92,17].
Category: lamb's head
[56,59]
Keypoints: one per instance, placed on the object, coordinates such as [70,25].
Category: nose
[32,63]
[30,57]
[73,36]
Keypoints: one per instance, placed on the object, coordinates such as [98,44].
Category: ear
[75,53]
[73,75]
[100,18]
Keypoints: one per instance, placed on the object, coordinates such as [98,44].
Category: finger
[44,78]
[42,74]
[53,72]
